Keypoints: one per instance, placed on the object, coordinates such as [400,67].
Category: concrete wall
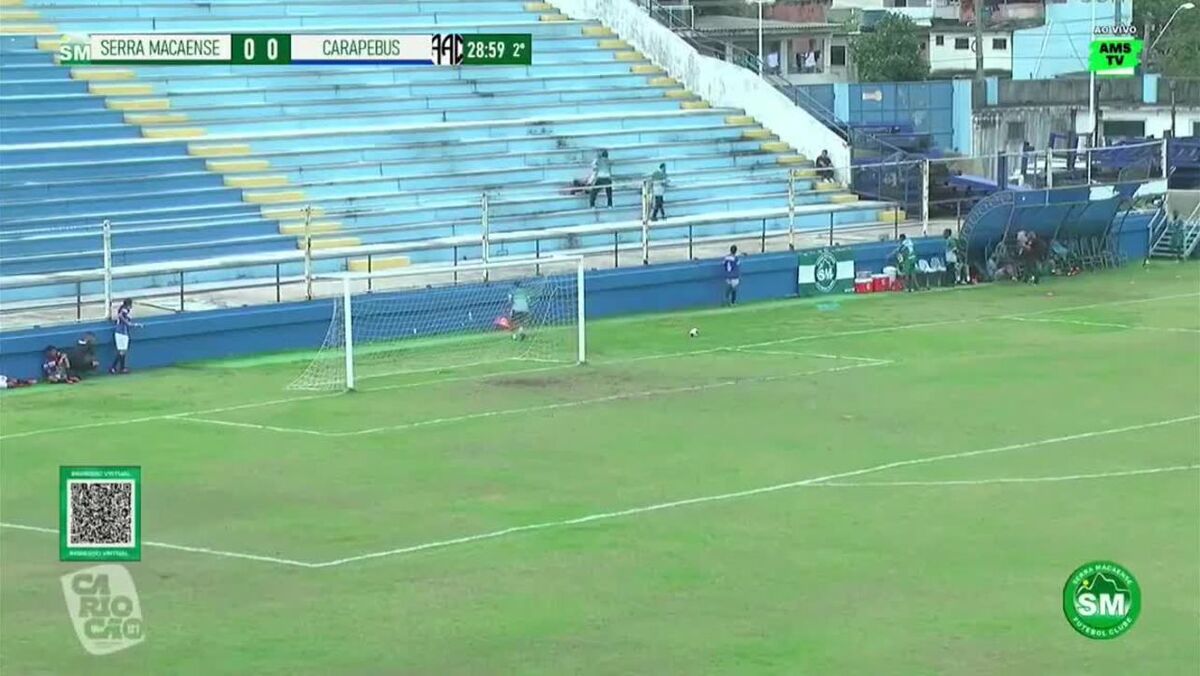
[198,336]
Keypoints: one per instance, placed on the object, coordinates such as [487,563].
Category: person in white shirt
[658,189]
[601,178]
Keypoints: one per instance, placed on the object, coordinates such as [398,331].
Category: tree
[1178,51]
[891,52]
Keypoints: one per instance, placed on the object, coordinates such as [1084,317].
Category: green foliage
[1178,51]
[891,52]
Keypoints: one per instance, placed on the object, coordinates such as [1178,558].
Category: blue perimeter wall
[197,336]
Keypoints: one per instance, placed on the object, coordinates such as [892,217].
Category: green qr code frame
[69,474]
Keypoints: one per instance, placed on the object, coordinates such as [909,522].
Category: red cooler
[863,285]
[879,283]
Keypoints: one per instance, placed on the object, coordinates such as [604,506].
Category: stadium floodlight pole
[348,336]
[106,237]
[761,62]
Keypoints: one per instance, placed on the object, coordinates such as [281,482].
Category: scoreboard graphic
[282,49]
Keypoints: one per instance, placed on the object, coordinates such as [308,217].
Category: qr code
[100,513]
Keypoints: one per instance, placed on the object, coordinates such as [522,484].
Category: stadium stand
[203,161]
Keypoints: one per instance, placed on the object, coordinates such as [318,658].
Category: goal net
[428,319]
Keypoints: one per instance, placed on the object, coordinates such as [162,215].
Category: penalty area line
[603,516]
[182,548]
[1010,480]
[824,481]
[1106,325]
[768,343]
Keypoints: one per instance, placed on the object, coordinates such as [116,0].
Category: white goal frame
[348,279]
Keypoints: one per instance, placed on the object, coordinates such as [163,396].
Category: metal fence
[918,196]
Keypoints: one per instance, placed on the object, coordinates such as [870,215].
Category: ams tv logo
[1102,600]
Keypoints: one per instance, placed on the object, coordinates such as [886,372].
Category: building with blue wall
[1060,44]
[938,108]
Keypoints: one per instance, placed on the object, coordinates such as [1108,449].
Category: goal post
[461,318]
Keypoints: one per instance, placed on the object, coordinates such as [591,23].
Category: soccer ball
[693,333]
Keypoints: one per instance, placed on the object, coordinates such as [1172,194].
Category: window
[837,55]
[1124,128]
[962,43]
[939,40]
[1000,44]
[1196,129]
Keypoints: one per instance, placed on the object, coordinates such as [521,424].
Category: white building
[952,50]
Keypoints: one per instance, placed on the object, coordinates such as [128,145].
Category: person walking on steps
[601,178]
[658,190]
[122,325]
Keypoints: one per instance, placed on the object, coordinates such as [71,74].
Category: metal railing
[917,196]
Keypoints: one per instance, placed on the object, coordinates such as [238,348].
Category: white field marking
[836,334]
[814,481]
[253,426]
[745,493]
[183,548]
[622,396]
[1152,299]
[1013,480]
[1111,325]
[817,355]
[167,416]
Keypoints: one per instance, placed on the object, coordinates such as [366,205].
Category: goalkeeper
[518,310]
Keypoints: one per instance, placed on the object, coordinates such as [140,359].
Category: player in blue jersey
[121,327]
[733,275]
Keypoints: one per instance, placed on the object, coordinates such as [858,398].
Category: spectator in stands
[773,63]
[825,166]
[951,277]
[733,275]
[55,367]
[121,327]
[658,189]
[810,62]
[601,178]
[82,357]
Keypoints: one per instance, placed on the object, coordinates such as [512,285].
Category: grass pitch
[896,484]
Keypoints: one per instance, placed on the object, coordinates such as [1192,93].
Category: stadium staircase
[201,161]
[1165,247]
